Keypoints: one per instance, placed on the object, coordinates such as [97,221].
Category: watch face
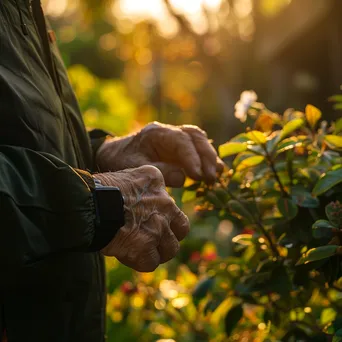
[110,204]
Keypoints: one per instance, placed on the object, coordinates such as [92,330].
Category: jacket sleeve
[97,138]
[46,207]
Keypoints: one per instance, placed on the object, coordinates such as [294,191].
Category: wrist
[109,208]
[112,151]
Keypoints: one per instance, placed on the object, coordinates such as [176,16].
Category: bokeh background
[187,61]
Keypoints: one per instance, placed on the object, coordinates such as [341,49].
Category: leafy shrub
[279,202]
[104,103]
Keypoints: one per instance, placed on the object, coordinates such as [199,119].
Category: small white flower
[247,98]
[240,111]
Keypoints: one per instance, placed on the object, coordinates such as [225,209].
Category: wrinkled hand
[154,225]
[172,149]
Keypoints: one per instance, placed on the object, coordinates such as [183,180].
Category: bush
[279,202]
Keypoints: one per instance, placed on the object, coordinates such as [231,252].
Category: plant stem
[259,224]
[275,173]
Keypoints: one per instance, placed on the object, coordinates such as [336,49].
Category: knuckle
[152,126]
[152,172]
[147,267]
[194,130]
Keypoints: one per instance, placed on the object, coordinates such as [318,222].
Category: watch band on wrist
[110,215]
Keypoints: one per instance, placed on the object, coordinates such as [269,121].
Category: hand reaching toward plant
[175,150]
[154,224]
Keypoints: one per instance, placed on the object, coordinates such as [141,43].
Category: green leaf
[322,229]
[231,148]
[203,287]
[193,186]
[256,149]
[188,196]
[280,281]
[312,114]
[338,126]
[337,324]
[212,198]
[333,141]
[335,98]
[334,213]
[338,336]
[338,106]
[232,318]
[287,208]
[237,208]
[291,143]
[257,136]
[241,138]
[243,239]
[291,126]
[273,141]
[249,162]
[303,198]
[327,181]
[318,253]
[328,315]
[242,156]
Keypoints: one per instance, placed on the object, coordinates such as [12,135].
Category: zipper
[52,69]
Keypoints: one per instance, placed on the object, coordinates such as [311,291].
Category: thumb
[173,175]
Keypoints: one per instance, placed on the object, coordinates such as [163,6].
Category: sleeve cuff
[97,138]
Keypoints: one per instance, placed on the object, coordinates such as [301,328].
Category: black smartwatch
[110,214]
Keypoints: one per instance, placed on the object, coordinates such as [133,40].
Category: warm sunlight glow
[187,7]
[212,4]
[243,8]
[148,9]
[156,10]
[55,8]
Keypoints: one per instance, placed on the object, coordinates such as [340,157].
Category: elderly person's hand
[175,150]
[154,225]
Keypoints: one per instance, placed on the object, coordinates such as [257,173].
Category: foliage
[279,203]
[104,103]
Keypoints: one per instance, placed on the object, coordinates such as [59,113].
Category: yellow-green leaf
[318,253]
[291,126]
[328,315]
[231,148]
[338,126]
[188,196]
[243,239]
[257,136]
[249,162]
[222,310]
[334,141]
[312,114]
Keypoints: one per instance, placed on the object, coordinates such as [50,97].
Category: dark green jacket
[51,288]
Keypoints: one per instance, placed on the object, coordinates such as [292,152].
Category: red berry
[195,256]
[210,256]
[248,231]
[128,288]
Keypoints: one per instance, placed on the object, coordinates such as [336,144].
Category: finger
[148,261]
[205,150]
[219,165]
[141,253]
[179,224]
[173,175]
[175,146]
[168,244]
